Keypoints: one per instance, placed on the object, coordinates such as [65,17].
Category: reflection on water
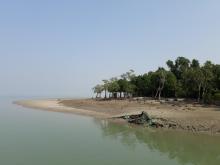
[30,137]
[187,148]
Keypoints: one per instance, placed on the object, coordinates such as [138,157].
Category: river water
[33,137]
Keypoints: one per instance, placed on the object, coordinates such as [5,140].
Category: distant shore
[190,117]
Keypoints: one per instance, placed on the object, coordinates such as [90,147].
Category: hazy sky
[63,48]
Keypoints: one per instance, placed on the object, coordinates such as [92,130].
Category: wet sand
[188,116]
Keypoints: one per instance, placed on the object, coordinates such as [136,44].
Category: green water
[32,137]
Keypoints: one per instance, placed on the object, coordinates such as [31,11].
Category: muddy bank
[171,115]
[181,116]
[146,120]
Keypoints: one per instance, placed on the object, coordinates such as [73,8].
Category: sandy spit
[190,117]
[54,105]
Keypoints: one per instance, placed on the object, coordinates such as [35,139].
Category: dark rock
[139,119]
[145,119]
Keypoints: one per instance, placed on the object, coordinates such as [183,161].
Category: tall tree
[126,87]
[216,72]
[180,66]
[185,78]
[161,78]
[98,89]
[195,64]
[113,87]
[123,85]
[170,85]
[193,80]
[208,77]
[142,85]
[105,86]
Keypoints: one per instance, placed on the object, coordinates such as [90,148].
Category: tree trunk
[156,93]
[161,88]
[105,93]
[199,93]
[159,94]
[203,94]
[175,95]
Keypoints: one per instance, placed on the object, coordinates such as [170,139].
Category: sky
[62,48]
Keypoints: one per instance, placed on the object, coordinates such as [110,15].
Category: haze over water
[64,48]
[52,48]
[48,138]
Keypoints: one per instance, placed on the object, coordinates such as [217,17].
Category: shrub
[216,96]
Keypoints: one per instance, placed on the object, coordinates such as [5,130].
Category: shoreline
[53,105]
[188,117]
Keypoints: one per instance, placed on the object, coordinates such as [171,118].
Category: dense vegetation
[183,79]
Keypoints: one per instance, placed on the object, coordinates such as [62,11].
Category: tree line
[183,79]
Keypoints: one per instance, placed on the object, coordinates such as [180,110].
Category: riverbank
[185,116]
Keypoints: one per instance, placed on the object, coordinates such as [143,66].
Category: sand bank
[55,106]
[191,117]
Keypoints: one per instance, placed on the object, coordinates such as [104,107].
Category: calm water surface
[32,137]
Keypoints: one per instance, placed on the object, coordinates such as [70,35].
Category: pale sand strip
[54,106]
[200,119]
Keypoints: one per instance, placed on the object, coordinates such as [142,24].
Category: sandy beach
[55,105]
[188,116]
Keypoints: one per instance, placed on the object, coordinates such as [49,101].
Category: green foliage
[142,85]
[180,92]
[170,85]
[113,87]
[180,66]
[216,96]
[98,89]
[195,64]
[123,85]
[192,81]
[207,98]
[184,78]
[216,71]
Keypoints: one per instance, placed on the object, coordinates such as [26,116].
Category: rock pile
[145,119]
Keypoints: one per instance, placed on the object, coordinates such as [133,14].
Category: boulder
[139,119]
